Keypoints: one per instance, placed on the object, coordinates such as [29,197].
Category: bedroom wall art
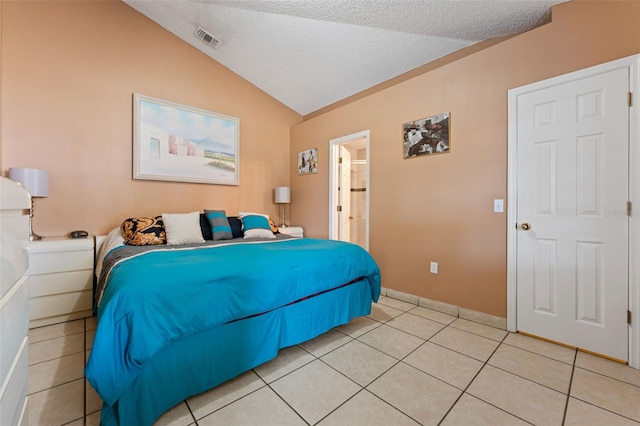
[426,136]
[308,161]
[173,142]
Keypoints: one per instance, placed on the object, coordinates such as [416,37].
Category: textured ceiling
[311,53]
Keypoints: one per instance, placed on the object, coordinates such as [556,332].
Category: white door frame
[633,62]
[334,178]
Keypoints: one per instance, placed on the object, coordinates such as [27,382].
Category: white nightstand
[61,280]
[294,231]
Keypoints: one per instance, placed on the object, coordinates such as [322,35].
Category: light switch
[498,206]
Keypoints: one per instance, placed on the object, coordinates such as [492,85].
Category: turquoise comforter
[160,297]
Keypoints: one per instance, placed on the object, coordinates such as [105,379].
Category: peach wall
[439,208]
[69,69]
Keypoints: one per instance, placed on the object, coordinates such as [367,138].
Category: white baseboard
[457,311]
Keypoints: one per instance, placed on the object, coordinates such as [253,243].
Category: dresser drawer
[61,282]
[13,254]
[13,324]
[45,263]
[60,304]
[13,400]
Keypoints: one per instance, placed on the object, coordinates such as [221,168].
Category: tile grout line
[190,412]
[364,388]
[464,391]
[591,403]
[280,396]
[566,404]
[401,360]
[537,353]
[606,375]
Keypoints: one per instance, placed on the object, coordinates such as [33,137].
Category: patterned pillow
[143,231]
[255,225]
[273,226]
[182,228]
[220,227]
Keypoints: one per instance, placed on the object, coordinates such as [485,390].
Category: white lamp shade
[283,195]
[35,181]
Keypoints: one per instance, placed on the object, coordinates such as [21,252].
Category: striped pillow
[220,227]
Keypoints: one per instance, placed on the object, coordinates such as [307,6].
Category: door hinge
[629,208]
[340,160]
[629,317]
[629,98]
[339,208]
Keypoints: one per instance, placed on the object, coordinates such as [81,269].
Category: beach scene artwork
[174,142]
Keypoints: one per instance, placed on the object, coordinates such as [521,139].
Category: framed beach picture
[308,161]
[426,136]
[178,143]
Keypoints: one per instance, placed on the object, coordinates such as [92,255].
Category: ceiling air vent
[207,38]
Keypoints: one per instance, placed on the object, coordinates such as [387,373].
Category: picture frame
[426,136]
[308,161]
[179,143]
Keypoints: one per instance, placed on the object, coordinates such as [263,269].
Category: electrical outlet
[434,267]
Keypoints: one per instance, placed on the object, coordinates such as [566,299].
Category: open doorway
[349,189]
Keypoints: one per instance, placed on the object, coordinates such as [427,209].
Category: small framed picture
[308,161]
[426,136]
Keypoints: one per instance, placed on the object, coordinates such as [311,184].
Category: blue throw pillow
[256,226]
[220,227]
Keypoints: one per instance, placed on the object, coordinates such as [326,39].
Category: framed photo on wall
[426,136]
[178,143]
[308,161]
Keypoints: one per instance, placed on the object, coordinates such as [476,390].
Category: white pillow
[259,233]
[243,214]
[182,228]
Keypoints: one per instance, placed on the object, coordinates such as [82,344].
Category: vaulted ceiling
[311,53]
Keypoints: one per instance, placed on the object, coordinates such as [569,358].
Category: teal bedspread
[160,297]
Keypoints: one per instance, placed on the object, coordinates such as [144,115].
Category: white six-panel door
[573,228]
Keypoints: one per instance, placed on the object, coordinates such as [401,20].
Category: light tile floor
[402,365]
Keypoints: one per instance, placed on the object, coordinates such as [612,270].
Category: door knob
[525,226]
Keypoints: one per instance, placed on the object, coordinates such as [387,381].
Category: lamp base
[35,237]
[32,235]
[283,224]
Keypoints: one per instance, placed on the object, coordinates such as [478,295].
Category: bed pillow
[255,225]
[219,224]
[205,228]
[236,226]
[242,214]
[143,231]
[182,228]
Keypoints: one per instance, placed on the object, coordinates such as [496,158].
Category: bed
[175,321]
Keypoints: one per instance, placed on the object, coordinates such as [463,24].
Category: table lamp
[36,182]
[282,197]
